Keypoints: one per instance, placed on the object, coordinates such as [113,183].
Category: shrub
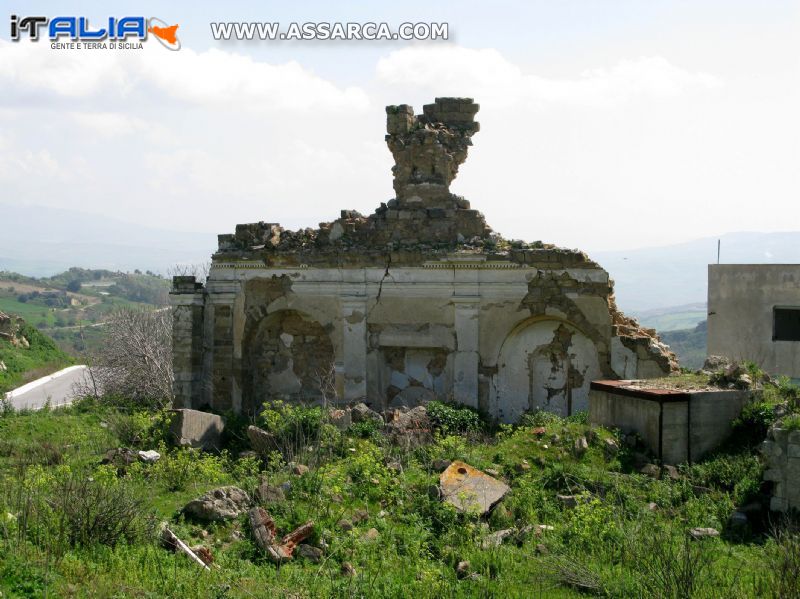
[750,428]
[791,422]
[539,418]
[366,429]
[177,468]
[297,426]
[667,565]
[451,419]
[783,562]
[139,428]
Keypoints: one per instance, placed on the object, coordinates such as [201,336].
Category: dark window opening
[786,324]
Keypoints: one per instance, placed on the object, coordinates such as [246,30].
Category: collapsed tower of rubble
[419,300]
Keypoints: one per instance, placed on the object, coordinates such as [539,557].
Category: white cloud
[486,74]
[210,78]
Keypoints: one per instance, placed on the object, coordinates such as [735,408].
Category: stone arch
[546,364]
[283,354]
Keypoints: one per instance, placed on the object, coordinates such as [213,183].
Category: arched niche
[544,364]
[285,355]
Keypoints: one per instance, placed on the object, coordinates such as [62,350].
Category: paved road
[57,388]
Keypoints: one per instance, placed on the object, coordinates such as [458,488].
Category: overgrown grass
[613,543]
[28,363]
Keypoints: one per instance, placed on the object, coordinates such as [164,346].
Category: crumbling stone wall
[781,451]
[418,300]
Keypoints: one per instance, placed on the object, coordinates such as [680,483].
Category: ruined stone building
[416,301]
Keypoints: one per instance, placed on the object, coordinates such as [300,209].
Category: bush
[177,468]
[451,419]
[783,562]
[297,426]
[750,428]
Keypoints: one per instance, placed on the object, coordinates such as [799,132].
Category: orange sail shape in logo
[165,33]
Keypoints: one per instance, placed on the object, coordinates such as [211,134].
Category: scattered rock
[299,469]
[121,457]
[149,457]
[568,501]
[581,446]
[538,431]
[225,503]
[362,413]
[492,472]
[193,428]
[554,438]
[737,520]
[650,470]
[698,490]
[672,472]
[309,552]
[715,363]
[286,487]
[496,538]
[440,465]
[395,466]
[409,428]
[703,533]
[262,442]
[470,490]
[266,493]
[463,569]
[524,466]
[247,453]
[347,569]
[359,516]
[610,447]
[540,529]
[345,524]
[371,535]
[541,549]
[341,419]
[652,506]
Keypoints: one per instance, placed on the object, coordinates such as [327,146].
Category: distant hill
[41,241]
[689,345]
[676,275]
[672,318]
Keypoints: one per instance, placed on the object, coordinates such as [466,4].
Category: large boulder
[362,413]
[262,442]
[470,490]
[225,503]
[193,428]
[409,428]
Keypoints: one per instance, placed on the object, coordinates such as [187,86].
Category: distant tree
[22,298]
[74,286]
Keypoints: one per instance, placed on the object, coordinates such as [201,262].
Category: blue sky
[605,124]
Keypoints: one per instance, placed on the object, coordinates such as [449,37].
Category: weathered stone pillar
[187,301]
[354,347]
[465,364]
[222,357]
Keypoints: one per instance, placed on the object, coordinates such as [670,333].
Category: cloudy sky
[604,125]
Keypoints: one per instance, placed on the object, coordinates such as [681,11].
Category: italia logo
[115,30]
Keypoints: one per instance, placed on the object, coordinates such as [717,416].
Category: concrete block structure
[754,314]
[416,301]
[676,425]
